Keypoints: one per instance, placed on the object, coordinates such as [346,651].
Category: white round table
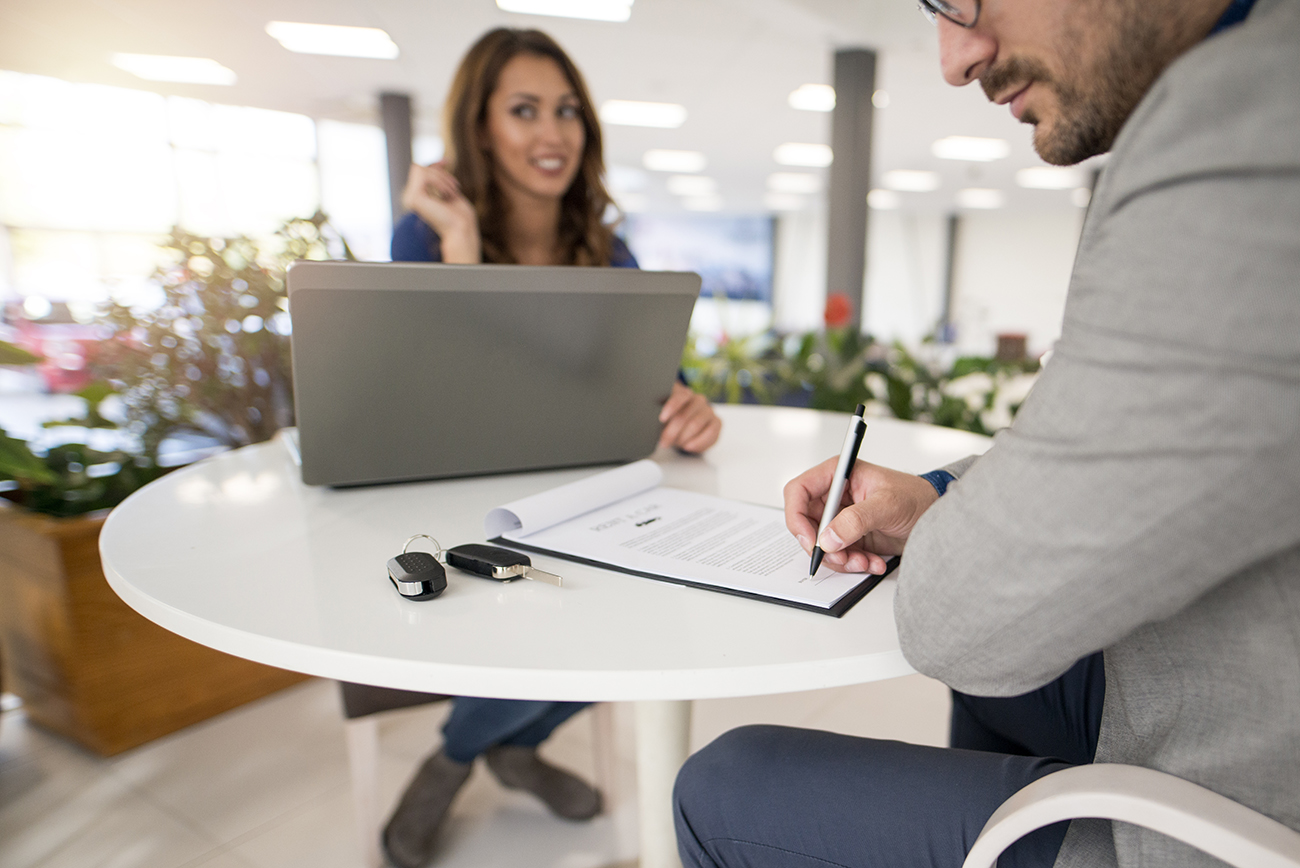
[237,554]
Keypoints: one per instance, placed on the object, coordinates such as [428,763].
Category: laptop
[406,371]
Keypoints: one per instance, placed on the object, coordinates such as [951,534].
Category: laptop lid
[419,371]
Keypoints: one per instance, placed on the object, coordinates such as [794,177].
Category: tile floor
[267,786]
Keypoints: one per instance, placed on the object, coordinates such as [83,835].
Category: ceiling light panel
[1050,178]
[184,70]
[813,98]
[880,99]
[971,148]
[911,180]
[793,182]
[590,10]
[692,185]
[629,113]
[803,154]
[659,160]
[979,198]
[331,39]
[883,200]
[703,203]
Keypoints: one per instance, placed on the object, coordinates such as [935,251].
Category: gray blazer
[1147,499]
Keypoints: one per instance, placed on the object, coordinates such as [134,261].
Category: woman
[521,183]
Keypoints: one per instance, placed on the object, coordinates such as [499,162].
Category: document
[625,520]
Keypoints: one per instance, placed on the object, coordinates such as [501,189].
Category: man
[1118,579]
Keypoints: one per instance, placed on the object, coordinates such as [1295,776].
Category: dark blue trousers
[767,796]
[477,724]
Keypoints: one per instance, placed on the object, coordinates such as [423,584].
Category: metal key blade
[524,571]
[543,576]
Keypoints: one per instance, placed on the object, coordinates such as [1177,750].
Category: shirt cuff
[940,479]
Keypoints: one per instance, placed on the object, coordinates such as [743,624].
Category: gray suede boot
[565,794]
[411,832]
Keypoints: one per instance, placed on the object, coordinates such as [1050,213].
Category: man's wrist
[940,479]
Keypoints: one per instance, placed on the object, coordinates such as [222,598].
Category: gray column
[850,176]
[945,332]
[395,110]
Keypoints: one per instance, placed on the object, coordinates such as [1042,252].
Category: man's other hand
[883,506]
[689,421]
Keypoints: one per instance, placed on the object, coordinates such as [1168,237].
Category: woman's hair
[583,237]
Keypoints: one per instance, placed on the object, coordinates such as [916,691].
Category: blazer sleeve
[1157,456]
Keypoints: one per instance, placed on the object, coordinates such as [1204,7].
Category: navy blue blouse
[415,241]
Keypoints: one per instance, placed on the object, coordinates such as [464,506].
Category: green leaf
[11,354]
[19,463]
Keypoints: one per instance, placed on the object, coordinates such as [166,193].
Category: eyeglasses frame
[934,10]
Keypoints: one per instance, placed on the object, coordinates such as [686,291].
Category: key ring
[440,555]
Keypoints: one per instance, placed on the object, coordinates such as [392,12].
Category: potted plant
[838,367]
[206,364]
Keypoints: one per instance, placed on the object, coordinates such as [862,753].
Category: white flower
[996,417]
[973,388]
[1016,389]
[977,383]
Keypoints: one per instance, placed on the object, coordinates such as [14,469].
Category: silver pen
[848,455]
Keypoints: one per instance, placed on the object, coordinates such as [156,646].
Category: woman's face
[534,130]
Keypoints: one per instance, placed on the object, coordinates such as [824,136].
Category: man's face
[1075,69]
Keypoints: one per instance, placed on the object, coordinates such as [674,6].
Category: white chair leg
[605,759]
[363,761]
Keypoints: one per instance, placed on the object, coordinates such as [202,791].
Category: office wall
[906,253]
[799,275]
[1012,272]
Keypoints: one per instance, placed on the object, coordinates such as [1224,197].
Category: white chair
[1143,797]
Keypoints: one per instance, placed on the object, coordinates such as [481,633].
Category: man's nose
[964,53]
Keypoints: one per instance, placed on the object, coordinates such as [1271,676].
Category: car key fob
[417,575]
[493,562]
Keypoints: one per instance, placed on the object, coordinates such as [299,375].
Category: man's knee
[730,761]
[710,782]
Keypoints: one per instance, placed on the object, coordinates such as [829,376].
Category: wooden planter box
[87,665]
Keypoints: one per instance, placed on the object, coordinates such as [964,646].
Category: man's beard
[1097,98]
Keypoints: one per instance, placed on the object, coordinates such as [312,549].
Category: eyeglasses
[963,13]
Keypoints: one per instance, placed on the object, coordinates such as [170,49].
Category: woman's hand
[884,506]
[689,421]
[433,193]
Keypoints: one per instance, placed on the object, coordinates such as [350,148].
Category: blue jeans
[477,724]
[767,796]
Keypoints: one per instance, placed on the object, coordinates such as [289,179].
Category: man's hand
[433,193]
[689,421]
[883,507]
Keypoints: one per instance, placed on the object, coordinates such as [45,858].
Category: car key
[417,575]
[497,563]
